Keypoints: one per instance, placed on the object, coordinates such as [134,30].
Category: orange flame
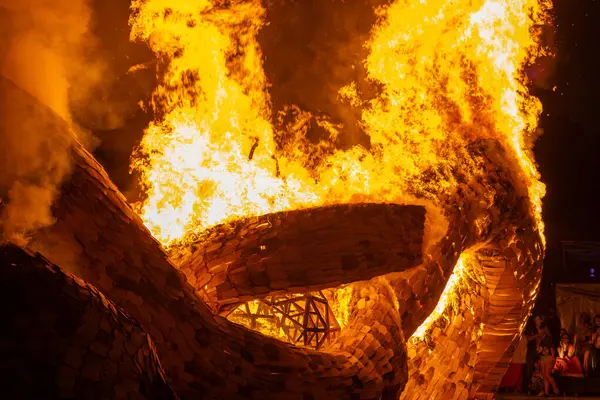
[450,72]
[446,299]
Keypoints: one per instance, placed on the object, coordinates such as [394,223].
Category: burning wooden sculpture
[377,248]
[427,238]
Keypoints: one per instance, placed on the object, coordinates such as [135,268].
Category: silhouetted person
[553,324]
[547,358]
[590,357]
[532,334]
[584,342]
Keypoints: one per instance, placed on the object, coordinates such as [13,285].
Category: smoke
[46,49]
[314,48]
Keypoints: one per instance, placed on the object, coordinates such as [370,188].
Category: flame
[289,322]
[449,72]
[339,301]
[257,316]
[448,296]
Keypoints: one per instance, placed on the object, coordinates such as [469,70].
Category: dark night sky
[567,153]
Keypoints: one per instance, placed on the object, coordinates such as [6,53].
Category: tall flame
[449,72]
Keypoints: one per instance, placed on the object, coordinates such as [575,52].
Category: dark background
[567,153]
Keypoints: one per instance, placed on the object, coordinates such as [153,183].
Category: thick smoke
[45,49]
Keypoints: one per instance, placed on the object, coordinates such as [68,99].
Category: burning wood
[99,236]
[116,253]
[301,251]
[300,319]
[435,230]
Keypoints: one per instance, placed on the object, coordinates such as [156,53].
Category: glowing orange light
[449,73]
[211,157]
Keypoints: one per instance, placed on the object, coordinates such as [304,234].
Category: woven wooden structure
[67,340]
[303,319]
[396,271]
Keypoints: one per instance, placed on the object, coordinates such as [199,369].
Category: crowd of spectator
[547,351]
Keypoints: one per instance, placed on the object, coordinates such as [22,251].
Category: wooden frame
[305,319]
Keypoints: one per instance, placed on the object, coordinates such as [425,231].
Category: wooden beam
[301,251]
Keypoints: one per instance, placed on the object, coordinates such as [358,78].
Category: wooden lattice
[301,319]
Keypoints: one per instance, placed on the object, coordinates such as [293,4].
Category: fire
[339,300]
[195,161]
[449,72]
[256,315]
[446,299]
